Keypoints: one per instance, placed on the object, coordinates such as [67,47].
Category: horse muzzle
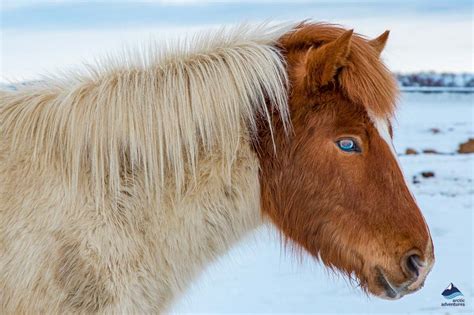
[416,271]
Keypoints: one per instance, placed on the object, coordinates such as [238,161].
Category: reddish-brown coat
[353,210]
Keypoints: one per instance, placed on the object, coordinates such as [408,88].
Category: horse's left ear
[323,62]
[379,43]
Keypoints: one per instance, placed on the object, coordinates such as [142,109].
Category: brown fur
[378,44]
[354,211]
[363,79]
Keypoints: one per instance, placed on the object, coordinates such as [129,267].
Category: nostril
[412,264]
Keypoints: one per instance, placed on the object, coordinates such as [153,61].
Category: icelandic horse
[120,184]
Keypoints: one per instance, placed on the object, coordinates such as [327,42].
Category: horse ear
[379,43]
[322,63]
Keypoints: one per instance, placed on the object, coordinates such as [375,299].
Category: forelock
[364,79]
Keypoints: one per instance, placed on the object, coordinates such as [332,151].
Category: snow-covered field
[258,276]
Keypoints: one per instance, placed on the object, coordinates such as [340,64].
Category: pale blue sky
[77,14]
[46,36]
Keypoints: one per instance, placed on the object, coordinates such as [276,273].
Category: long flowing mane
[156,111]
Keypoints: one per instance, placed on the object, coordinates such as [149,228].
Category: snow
[259,276]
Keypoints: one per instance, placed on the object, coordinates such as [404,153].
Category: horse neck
[215,213]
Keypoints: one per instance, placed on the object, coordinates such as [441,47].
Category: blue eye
[348,145]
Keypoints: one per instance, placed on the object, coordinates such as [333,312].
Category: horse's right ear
[322,63]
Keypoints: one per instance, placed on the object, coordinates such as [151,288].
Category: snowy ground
[259,277]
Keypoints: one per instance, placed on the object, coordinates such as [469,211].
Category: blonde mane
[157,111]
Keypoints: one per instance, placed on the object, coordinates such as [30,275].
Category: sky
[39,37]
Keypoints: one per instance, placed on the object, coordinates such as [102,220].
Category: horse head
[334,186]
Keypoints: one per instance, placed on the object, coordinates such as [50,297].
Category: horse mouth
[390,290]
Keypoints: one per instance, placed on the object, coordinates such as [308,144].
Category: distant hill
[434,79]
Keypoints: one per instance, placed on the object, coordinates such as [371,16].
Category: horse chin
[384,288]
